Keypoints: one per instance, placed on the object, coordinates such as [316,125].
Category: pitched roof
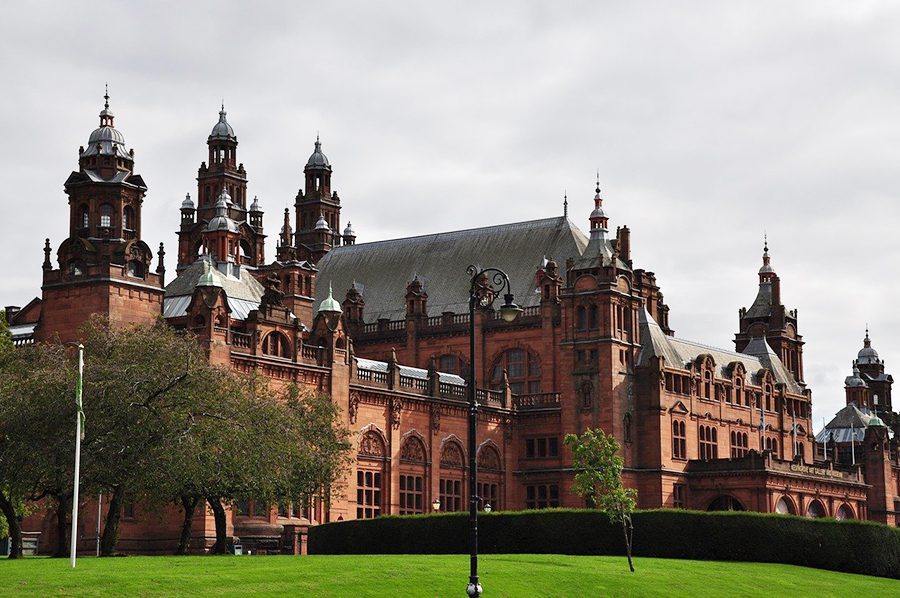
[244,294]
[679,352]
[383,269]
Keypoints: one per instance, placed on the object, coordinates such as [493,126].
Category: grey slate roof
[847,422]
[382,366]
[244,294]
[762,305]
[679,352]
[384,268]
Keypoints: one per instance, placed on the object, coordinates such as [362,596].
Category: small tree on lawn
[599,479]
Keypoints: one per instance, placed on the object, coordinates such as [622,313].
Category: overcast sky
[710,122]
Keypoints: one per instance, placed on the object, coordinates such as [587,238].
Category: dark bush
[850,546]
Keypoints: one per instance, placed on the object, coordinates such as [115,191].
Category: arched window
[523,369]
[784,506]
[593,322]
[844,512]
[276,345]
[679,440]
[452,364]
[739,445]
[85,217]
[580,318]
[707,384]
[76,268]
[452,477]
[106,215]
[767,394]
[490,477]
[412,476]
[370,475]
[815,509]
[128,217]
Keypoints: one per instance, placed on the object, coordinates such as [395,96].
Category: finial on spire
[597,188]
[565,203]
[106,96]
[867,331]
[765,242]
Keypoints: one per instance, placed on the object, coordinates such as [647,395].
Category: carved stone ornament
[413,450]
[371,445]
[354,406]
[435,419]
[507,430]
[452,456]
[396,408]
[488,458]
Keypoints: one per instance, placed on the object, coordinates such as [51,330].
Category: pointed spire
[106,96]
[766,272]
[565,203]
[597,188]
[866,341]
[598,218]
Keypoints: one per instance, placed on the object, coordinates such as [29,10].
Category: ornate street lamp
[486,285]
[436,505]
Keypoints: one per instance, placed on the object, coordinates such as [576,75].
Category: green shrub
[850,546]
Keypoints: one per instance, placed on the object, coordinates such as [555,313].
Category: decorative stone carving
[354,406]
[435,419]
[489,458]
[452,456]
[396,408]
[507,430]
[413,450]
[371,445]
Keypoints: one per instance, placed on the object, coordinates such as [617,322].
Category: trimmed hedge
[850,546]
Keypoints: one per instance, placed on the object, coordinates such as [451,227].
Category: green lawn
[426,576]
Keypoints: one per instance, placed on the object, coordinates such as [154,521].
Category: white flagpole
[78,432]
[825,449]
[853,444]
[762,426]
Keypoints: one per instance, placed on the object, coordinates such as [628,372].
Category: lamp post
[485,286]
[436,505]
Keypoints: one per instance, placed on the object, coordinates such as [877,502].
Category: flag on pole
[794,427]
[78,387]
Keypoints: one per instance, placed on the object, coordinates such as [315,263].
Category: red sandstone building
[700,427]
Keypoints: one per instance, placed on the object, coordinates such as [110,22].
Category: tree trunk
[221,546]
[63,508]
[15,528]
[110,536]
[628,530]
[189,504]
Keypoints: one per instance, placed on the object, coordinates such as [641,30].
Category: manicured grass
[424,575]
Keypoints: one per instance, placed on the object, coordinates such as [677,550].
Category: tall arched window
[707,384]
[593,321]
[580,318]
[85,217]
[412,476]
[523,369]
[276,345]
[370,475]
[490,477]
[106,215]
[452,479]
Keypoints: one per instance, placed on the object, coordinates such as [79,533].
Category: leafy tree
[37,437]
[599,479]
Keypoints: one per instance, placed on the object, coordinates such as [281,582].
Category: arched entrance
[725,503]
[784,506]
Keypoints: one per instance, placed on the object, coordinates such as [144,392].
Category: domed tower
[870,369]
[317,202]
[104,267]
[768,318]
[222,171]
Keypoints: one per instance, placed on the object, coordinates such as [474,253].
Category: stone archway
[726,502]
